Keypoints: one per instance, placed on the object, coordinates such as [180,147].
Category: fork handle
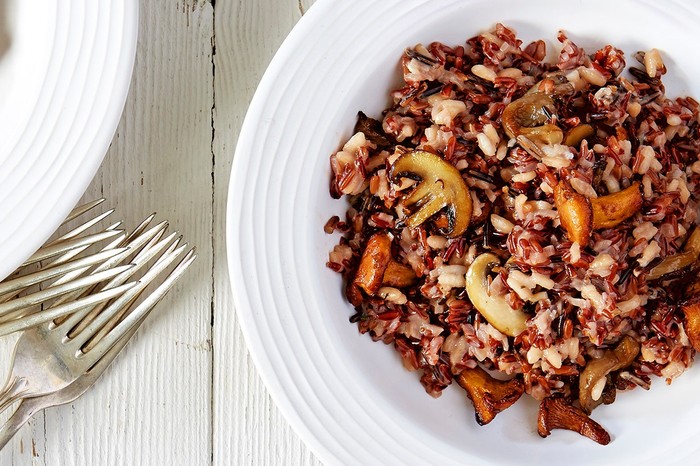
[24,413]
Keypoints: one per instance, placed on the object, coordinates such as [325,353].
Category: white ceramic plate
[65,68]
[349,398]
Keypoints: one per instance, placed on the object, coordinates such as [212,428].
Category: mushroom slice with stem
[557,413]
[495,309]
[594,375]
[488,395]
[441,187]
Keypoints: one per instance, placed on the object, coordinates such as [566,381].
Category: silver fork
[51,356]
[30,406]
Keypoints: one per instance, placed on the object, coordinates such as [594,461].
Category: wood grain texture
[153,407]
[248,428]
[184,391]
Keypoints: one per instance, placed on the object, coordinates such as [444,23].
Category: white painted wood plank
[248,428]
[153,407]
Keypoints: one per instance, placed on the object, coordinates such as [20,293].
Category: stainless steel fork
[30,406]
[95,309]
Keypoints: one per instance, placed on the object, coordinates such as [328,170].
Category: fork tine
[170,249]
[52,251]
[141,227]
[80,322]
[137,316]
[80,210]
[25,281]
[132,246]
[45,316]
[118,315]
[68,255]
[93,327]
[54,291]
[142,241]
[81,228]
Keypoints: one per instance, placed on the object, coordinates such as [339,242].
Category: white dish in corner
[65,69]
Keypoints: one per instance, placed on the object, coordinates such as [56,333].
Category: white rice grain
[653,62]
[484,73]
[501,224]
[650,253]
[445,111]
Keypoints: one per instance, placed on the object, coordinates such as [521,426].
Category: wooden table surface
[185,391]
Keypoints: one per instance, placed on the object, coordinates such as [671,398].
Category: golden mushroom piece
[488,395]
[575,135]
[575,213]
[594,376]
[677,262]
[441,187]
[377,267]
[557,413]
[527,117]
[495,309]
[613,209]
[580,215]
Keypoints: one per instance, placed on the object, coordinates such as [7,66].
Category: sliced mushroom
[557,413]
[374,262]
[691,312]
[488,395]
[441,187]
[680,261]
[528,116]
[398,275]
[495,309]
[597,370]
[613,209]
[575,213]
[672,264]
[575,135]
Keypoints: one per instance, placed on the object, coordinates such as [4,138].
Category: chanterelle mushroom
[375,259]
[489,396]
[691,312]
[594,376]
[557,413]
[613,209]
[580,215]
[495,309]
[377,267]
[575,213]
[441,187]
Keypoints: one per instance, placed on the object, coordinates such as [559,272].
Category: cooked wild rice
[580,299]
